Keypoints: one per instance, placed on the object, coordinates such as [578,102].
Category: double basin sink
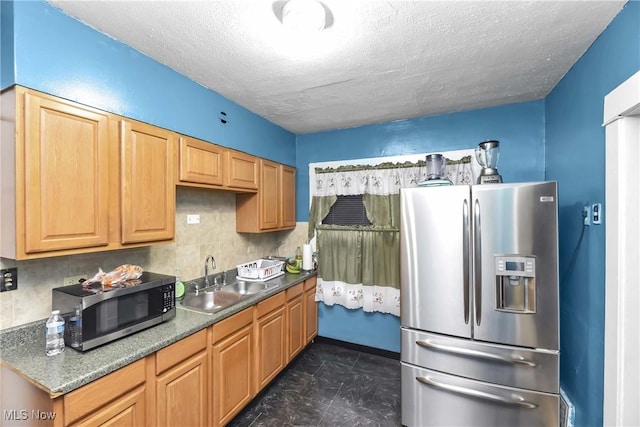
[215,298]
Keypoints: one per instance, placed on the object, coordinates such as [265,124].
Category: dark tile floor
[329,385]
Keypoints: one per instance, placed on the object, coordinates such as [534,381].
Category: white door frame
[622,266]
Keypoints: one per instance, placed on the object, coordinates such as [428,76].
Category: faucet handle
[193,287]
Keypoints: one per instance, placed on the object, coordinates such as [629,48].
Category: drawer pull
[516,400]
[514,359]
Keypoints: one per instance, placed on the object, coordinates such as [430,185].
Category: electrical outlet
[586,215]
[596,213]
[72,280]
[8,279]
[193,219]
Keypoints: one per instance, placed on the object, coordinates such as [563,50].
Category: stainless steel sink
[246,288]
[212,299]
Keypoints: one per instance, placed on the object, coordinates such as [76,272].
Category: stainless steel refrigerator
[479,305]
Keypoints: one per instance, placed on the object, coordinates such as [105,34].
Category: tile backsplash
[214,235]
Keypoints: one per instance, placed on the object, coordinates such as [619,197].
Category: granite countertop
[22,347]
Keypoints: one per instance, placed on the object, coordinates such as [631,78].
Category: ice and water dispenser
[515,283]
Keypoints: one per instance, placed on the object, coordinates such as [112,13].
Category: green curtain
[366,255]
[340,253]
[320,207]
[381,257]
[384,210]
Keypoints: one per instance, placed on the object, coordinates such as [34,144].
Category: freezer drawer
[431,398]
[507,365]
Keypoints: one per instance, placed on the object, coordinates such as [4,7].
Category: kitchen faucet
[206,269]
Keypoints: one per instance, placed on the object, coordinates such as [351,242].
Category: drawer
[511,366]
[270,304]
[294,291]
[92,396]
[181,350]
[431,398]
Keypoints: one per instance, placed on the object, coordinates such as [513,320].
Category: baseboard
[363,348]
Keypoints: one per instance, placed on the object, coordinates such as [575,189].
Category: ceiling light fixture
[304,15]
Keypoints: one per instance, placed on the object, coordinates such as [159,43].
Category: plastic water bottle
[75,328]
[55,334]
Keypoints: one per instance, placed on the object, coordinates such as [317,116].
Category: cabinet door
[181,394]
[66,176]
[201,162]
[310,310]
[126,411]
[148,193]
[242,170]
[288,196]
[113,399]
[270,346]
[232,361]
[268,195]
[295,320]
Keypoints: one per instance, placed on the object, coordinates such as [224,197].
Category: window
[347,210]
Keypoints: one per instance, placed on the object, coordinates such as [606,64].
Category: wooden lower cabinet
[310,310]
[295,320]
[270,339]
[181,385]
[232,359]
[117,399]
[126,411]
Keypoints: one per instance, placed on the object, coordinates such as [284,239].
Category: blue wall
[6,44]
[518,127]
[59,55]
[575,157]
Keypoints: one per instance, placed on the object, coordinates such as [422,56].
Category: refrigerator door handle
[514,359]
[466,233]
[516,400]
[477,263]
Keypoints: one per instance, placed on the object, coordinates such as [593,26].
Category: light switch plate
[193,219]
[596,213]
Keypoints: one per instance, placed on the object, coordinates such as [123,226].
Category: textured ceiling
[377,61]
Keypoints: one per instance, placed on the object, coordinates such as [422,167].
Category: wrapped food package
[122,276]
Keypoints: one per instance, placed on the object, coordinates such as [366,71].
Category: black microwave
[95,317]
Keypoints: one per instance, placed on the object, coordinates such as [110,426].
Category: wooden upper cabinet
[273,207]
[288,196]
[268,197]
[61,175]
[148,197]
[242,170]
[201,162]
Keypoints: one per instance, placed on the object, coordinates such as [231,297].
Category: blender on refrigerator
[435,164]
[487,155]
